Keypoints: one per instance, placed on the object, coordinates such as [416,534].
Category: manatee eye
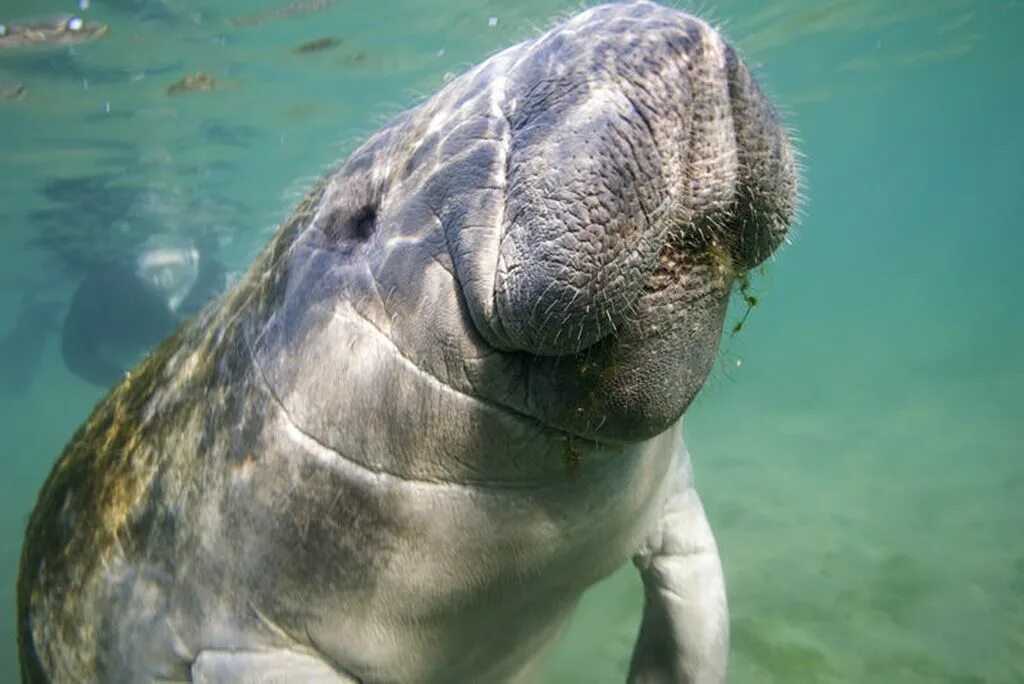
[75,24]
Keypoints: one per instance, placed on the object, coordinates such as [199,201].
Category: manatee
[446,398]
[125,306]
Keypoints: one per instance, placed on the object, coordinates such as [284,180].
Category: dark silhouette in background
[124,308]
[22,348]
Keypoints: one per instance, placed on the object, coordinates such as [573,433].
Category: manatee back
[123,483]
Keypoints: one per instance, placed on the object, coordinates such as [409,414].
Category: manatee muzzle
[649,153]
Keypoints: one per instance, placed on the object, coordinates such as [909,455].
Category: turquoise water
[858,446]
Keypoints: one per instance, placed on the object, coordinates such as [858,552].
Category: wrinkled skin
[445,400]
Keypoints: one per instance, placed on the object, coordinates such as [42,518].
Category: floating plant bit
[492,22]
[749,299]
[13,91]
[64,29]
[83,5]
[319,45]
[192,83]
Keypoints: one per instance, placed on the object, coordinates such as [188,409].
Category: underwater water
[859,445]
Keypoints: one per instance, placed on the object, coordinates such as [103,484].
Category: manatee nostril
[365,223]
[346,226]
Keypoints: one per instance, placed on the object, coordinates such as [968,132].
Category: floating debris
[292,9]
[193,83]
[64,29]
[13,91]
[319,45]
[492,22]
[355,59]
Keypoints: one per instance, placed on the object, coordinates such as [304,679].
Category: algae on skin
[746,293]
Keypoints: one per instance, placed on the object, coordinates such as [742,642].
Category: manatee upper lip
[518,413]
[591,444]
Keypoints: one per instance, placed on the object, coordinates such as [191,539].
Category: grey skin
[444,401]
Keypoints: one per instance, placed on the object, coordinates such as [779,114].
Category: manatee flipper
[264,667]
[684,634]
[21,349]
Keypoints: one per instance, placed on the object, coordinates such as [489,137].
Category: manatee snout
[645,171]
[589,198]
[650,146]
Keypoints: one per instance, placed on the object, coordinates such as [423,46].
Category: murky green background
[859,446]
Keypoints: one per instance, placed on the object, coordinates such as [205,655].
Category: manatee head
[168,266]
[556,233]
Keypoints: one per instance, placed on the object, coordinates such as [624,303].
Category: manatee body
[446,398]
